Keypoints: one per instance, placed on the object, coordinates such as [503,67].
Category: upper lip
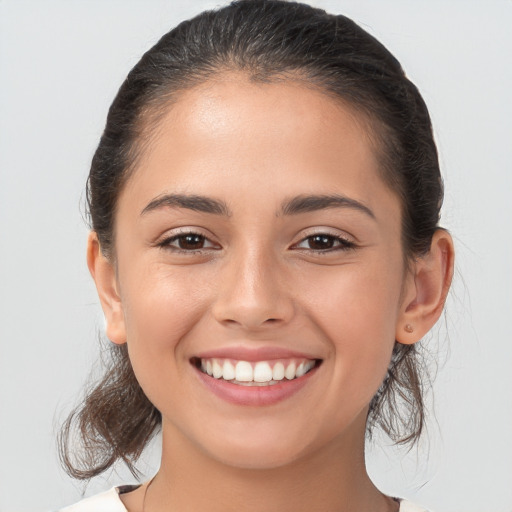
[243,353]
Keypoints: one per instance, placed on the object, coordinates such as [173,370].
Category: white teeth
[290,371]
[253,384]
[217,369]
[278,371]
[228,371]
[259,373]
[243,371]
[262,372]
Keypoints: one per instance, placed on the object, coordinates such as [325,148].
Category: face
[256,241]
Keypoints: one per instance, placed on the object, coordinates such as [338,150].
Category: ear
[425,290]
[104,275]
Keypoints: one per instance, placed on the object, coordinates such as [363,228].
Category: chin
[256,457]
[262,448]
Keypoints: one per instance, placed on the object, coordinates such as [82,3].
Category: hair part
[268,40]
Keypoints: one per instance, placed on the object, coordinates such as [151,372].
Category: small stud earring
[408,328]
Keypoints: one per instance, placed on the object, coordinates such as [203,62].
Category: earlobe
[426,289]
[104,275]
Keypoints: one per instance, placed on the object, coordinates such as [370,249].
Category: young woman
[265,202]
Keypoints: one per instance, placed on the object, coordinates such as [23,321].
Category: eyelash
[166,244]
[343,243]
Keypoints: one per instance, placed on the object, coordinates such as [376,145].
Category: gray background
[61,63]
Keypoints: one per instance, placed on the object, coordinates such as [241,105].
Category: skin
[258,282]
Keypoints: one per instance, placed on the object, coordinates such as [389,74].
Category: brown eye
[190,242]
[324,243]
[319,242]
[187,242]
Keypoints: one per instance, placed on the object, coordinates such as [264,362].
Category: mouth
[255,373]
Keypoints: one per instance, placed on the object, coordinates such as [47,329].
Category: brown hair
[267,39]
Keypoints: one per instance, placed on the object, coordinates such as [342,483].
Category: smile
[255,373]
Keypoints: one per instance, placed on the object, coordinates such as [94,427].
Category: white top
[109,501]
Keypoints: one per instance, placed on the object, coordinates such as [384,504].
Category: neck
[333,478]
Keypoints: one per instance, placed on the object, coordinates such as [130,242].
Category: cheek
[356,310]
[357,298]
[161,306]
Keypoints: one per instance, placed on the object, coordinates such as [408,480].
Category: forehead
[229,133]
[232,106]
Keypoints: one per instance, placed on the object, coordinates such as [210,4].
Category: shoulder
[107,501]
[407,506]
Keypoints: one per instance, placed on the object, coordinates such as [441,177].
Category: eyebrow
[191,202]
[311,203]
[294,206]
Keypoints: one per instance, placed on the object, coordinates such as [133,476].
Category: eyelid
[164,241]
[346,242]
[324,230]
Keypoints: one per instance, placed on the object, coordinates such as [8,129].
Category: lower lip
[255,395]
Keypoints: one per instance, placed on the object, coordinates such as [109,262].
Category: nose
[253,293]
